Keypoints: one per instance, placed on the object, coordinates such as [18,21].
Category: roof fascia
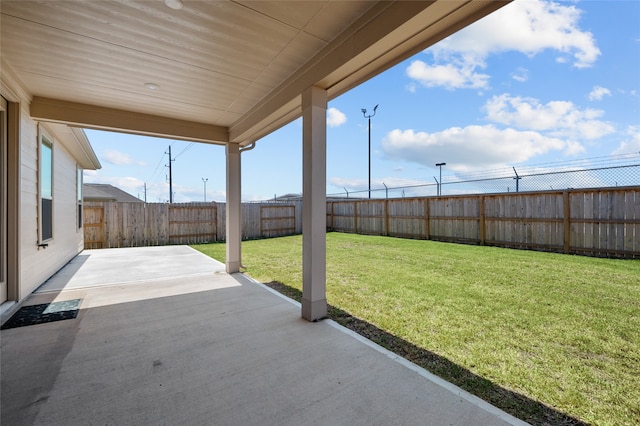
[90,158]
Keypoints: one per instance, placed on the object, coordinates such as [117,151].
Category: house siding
[38,264]
[29,265]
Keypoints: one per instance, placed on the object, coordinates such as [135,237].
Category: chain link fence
[610,171]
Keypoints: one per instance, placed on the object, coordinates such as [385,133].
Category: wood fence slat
[604,212]
[277,220]
[632,213]
[618,213]
[93,223]
[598,222]
[584,231]
[594,214]
[540,207]
[569,235]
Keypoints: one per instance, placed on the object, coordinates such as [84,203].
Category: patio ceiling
[224,71]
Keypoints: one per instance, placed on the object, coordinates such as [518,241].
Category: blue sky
[537,82]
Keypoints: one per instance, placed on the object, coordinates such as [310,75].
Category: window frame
[4,195]
[80,208]
[45,139]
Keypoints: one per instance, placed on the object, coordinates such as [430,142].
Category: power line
[185,149]
[157,168]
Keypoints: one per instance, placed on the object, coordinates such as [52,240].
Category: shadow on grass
[520,406]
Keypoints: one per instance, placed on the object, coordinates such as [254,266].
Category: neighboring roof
[288,197]
[212,71]
[106,192]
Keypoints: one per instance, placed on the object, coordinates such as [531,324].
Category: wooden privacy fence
[115,224]
[596,222]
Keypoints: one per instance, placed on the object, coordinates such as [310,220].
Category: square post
[233,209]
[314,207]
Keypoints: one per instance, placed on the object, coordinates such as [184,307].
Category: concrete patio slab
[136,264]
[206,348]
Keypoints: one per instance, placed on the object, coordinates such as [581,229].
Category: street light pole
[205,188]
[364,112]
[440,183]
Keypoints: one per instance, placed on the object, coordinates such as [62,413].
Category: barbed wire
[608,171]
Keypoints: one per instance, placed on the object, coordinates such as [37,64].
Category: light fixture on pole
[364,112]
[205,188]
[440,183]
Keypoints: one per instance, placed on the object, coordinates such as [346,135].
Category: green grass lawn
[549,338]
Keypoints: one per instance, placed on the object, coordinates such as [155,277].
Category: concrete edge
[478,402]
[202,254]
[269,289]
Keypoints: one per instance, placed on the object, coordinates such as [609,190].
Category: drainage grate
[47,312]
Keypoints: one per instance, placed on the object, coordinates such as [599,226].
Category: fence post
[333,215]
[386,217]
[566,222]
[355,217]
[481,224]
[426,218]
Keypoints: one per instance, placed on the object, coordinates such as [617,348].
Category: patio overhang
[214,71]
[220,72]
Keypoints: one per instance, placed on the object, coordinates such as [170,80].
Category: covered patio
[165,336]
[219,72]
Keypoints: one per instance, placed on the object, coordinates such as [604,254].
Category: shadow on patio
[206,348]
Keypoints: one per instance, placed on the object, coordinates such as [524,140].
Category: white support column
[314,207]
[233,209]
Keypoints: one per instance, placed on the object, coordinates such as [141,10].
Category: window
[79,191]
[46,188]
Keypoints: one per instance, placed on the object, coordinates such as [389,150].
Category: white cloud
[472,147]
[529,27]
[630,145]
[118,158]
[412,87]
[335,117]
[450,76]
[353,184]
[521,75]
[558,118]
[598,93]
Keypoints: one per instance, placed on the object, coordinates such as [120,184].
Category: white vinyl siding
[38,263]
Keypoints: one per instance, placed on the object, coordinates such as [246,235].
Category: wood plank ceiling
[224,71]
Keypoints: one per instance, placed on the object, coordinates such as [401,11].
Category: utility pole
[145,192]
[170,177]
